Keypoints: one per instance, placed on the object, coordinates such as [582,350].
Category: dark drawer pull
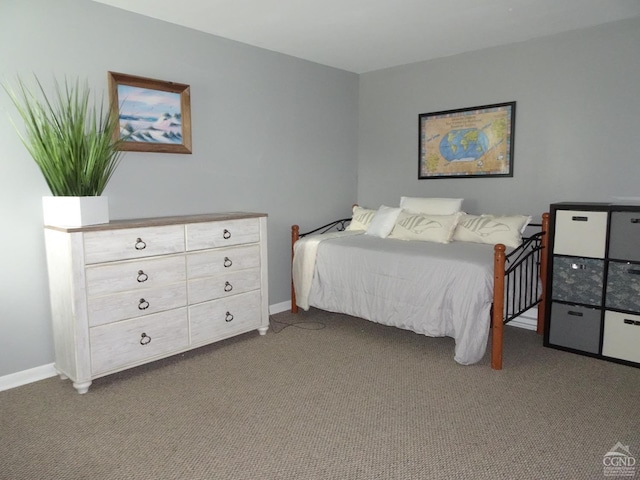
[575,314]
[226,234]
[227,262]
[578,266]
[140,245]
[142,277]
[143,304]
[628,321]
[227,287]
[635,220]
[633,271]
[228,317]
[577,218]
[145,339]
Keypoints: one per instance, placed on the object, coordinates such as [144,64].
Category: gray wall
[271,133]
[262,121]
[578,105]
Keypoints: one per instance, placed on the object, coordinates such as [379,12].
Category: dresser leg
[81,387]
[263,330]
[60,373]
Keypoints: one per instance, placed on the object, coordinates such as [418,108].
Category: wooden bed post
[498,306]
[542,306]
[295,235]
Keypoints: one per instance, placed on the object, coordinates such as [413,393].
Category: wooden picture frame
[154,115]
[467,142]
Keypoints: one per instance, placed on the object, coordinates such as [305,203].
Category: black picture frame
[473,142]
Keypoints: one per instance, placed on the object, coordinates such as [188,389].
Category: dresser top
[158,221]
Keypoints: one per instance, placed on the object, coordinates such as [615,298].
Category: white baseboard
[528,320]
[280,307]
[31,375]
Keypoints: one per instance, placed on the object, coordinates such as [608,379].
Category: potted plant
[72,142]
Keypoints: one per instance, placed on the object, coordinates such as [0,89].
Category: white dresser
[134,291]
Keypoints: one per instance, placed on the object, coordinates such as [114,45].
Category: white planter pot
[75,211]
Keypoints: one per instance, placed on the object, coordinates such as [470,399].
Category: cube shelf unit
[594,281]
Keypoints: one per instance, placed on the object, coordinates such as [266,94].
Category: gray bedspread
[430,288]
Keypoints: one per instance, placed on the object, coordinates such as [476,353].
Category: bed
[435,284]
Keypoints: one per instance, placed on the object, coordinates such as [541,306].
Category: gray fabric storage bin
[623,286]
[624,241]
[578,280]
[575,327]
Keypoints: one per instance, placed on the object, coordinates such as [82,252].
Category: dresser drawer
[222,260]
[134,275]
[575,327]
[121,306]
[578,280]
[579,233]
[624,240]
[623,286]
[621,336]
[129,342]
[225,285]
[223,233]
[127,243]
[225,317]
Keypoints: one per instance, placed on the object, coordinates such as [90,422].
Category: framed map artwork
[468,142]
[154,115]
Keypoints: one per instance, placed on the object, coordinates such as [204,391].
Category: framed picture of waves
[468,142]
[154,115]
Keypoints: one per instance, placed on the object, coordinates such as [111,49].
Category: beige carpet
[333,398]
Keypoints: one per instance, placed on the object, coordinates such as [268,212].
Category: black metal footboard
[522,282]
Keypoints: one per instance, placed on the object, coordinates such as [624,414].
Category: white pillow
[427,228]
[383,221]
[361,218]
[431,206]
[492,229]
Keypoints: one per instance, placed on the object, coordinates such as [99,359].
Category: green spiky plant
[73,143]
